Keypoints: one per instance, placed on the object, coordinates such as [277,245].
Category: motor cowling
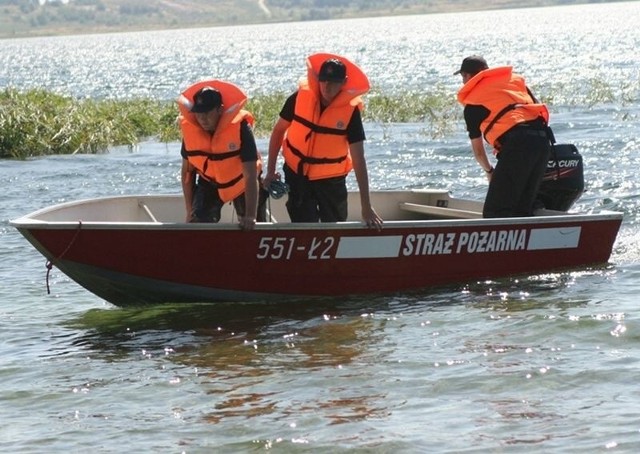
[563,181]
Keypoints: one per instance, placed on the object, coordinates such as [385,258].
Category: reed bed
[38,122]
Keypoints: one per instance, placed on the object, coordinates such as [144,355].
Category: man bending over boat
[499,107]
[221,162]
[322,138]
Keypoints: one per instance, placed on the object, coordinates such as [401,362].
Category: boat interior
[421,204]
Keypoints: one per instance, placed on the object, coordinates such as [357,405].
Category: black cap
[332,70]
[472,65]
[206,99]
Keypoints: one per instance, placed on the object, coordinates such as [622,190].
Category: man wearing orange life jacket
[499,107]
[219,148]
[322,138]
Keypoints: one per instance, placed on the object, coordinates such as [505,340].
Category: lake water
[544,363]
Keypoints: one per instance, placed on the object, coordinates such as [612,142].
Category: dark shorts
[207,205]
[318,200]
[516,179]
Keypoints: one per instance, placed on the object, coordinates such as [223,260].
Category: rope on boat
[277,189]
[49,263]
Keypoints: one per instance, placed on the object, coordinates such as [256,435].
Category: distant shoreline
[122,16]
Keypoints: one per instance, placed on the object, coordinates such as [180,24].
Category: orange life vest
[505,95]
[316,143]
[216,157]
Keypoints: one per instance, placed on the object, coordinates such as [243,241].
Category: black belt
[534,132]
[522,131]
[527,131]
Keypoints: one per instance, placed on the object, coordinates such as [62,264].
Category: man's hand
[489,173]
[247,223]
[268,178]
[371,218]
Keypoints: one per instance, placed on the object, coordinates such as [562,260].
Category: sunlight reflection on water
[398,53]
[526,363]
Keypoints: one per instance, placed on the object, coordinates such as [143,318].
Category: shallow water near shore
[540,363]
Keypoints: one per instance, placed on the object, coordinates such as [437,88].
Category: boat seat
[147,211]
[439,211]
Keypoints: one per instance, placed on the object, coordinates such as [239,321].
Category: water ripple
[525,363]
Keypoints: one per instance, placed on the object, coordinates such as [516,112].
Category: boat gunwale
[31,220]
[27,222]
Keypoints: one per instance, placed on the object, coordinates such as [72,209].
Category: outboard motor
[563,181]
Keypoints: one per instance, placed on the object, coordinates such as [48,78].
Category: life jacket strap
[500,114]
[212,156]
[319,129]
[229,183]
[311,160]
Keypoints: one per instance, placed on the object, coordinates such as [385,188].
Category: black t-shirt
[355,129]
[474,115]
[248,148]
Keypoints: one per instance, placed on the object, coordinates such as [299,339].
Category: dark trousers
[207,205]
[516,179]
[318,200]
